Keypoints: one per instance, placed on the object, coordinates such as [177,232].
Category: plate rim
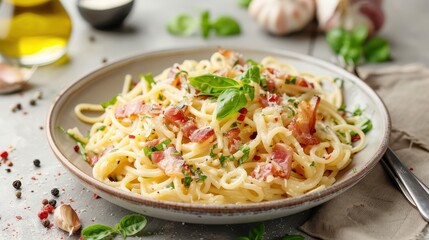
[223,208]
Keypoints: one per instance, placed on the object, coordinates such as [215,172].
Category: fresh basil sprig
[230,93]
[258,233]
[182,25]
[226,26]
[355,45]
[128,226]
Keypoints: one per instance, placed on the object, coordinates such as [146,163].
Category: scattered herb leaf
[131,225]
[182,25]
[226,26]
[205,24]
[246,151]
[110,102]
[98,232]
[376,50]
[244,3]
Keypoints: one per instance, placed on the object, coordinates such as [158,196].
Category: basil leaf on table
[335,38]
[351,53]
[212,84]
[98,232]
[205,24]
[376,50]
[226,26]
[244,3]
[182,25]
[230,102]
[257,233]
[131,225]
[360,34]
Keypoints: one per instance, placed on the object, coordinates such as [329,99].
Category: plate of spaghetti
[218,136]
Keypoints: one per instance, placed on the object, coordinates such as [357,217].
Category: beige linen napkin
[374,208]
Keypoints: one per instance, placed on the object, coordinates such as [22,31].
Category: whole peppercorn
[16,184]
[33,102]
[45,201]
[18,194]
[43,215]
[36,162]
[55,192]
[53,202]
[46,223]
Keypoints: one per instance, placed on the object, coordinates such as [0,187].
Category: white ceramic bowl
[100,85]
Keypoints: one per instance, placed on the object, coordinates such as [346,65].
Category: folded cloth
[374,208]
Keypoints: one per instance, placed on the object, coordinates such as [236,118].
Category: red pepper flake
[95,196]
[18,217]
[71,200]
[42,215]
[355,138]
[276,119]
[76,148]
[51,225]
[61,202]
[411,169]
[33,178]
[243,111]
[4,155]
[241,117]
[257,158]
[131,136]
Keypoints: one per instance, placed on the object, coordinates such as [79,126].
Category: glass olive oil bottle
[33,32]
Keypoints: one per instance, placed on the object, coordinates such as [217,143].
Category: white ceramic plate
[106,82]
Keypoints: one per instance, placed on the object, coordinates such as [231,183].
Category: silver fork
[414,190]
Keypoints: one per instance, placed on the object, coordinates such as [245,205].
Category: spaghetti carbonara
[222,130]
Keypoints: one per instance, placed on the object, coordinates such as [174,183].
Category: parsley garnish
[312,164]
[187,179]
[110,102]
[171,185]
[246,151]
[357,111]
[366,125]
[212,154]
[101,128]
[160,146]
[342,108]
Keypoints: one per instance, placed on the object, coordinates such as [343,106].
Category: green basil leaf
[292,237]
[360,34]
[246,151]
[98,232]
[335,38]
[257,232]
[351,53]
[247,89]
[252,74]
[230,102]
[376,50]
[110,102]
[226,26]
[205,24]
[212,84]
[244,3]
[182,25]
[148,77]
[252,62]
[132,224]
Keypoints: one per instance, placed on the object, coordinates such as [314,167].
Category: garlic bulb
[66,219]
[282,16]
[350,14]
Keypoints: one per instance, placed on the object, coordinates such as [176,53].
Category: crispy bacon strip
[136,108]
[234,139]
[303,124]
[269,99]
[188,126]
[279,166]
[170,161]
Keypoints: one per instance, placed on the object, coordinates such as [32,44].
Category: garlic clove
[66,219]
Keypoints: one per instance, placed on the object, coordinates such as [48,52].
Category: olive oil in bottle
[33,32]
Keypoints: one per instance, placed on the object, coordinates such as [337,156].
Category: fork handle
[409,181]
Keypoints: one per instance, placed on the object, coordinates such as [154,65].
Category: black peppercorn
[46,223]
[55,192]
[36,162]
[16,184]
[33,102]
[8,170]
[53,202]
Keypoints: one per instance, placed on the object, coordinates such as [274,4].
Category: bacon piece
[303,83]
[234,139]
[170,161]
[280,165]
[269,99]
[303,124]
[135,108]
[175,116]
[281,158]
[188,128]
[94,159]
[202,134]
[262,171]
[152,143]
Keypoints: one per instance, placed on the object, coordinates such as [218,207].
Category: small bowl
[104,17]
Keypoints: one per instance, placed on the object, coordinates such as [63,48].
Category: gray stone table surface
[144,31]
